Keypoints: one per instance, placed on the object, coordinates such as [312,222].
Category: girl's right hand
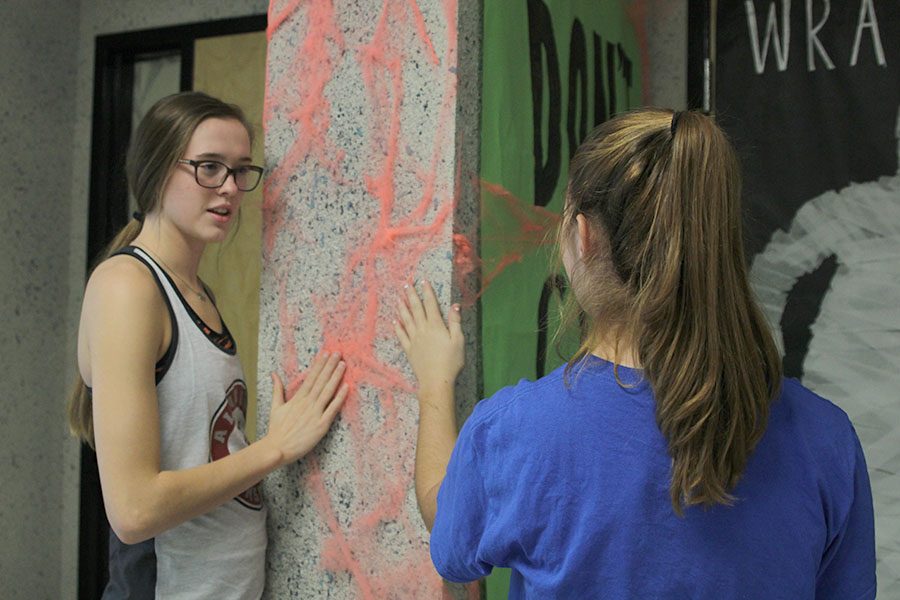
[435,349]
[297,425]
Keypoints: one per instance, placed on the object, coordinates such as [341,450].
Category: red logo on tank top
[227,434]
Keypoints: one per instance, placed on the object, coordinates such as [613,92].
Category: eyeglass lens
[213,174]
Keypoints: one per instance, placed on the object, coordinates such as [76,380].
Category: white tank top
[202,411]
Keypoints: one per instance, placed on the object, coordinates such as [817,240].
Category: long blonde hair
[661,191]
[159,142]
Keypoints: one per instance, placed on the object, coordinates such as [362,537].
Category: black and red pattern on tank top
[227,423]
[223,340]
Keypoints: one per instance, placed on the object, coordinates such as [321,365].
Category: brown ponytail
[662,191]
[159,142]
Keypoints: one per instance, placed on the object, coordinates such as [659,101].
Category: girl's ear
[583,241]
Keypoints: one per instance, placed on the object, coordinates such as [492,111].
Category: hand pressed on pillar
[436,353]
[298,423]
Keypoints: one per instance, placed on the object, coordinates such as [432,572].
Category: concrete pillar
[372,115]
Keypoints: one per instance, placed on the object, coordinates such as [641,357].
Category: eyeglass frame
[229,172]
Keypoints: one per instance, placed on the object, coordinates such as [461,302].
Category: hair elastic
[138,215]
[675,117]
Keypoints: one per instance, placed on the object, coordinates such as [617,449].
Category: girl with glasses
[161,394]
[668,458]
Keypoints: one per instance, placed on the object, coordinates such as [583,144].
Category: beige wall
[233,68]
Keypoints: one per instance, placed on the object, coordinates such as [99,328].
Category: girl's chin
[214,235]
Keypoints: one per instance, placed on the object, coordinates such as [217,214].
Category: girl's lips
[220,218]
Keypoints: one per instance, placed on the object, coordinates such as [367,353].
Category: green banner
[553,69]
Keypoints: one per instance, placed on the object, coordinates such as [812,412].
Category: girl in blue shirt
[669,458]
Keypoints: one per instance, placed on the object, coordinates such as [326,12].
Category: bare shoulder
[122,287]
[123,317]
[121,274]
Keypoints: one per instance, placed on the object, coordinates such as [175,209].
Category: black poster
[809,93]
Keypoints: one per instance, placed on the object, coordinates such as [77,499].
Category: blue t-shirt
[569,487]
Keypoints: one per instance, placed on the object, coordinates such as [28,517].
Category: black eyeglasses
[213,174]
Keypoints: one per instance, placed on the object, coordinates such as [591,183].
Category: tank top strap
[186,315]
[162,278]
[163,364]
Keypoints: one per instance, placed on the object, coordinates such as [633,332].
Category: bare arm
[435,352]
[122,323]
[434,444]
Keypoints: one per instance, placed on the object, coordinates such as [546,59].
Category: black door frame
[115,56]
[701,56]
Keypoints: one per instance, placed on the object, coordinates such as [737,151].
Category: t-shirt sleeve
[847,570]
[463,513]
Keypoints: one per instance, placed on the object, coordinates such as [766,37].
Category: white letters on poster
[781,42]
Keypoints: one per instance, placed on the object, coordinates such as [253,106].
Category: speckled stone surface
[371,141]
[37,71]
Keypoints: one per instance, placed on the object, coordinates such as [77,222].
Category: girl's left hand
[435,350]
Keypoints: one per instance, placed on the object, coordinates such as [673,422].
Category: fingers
[416,313]
[454,321]
[406,317]
[277,390]
[323,376]
[400,331]
[326,393]
[432,310]
[315,368]
[415,304]
[332,409]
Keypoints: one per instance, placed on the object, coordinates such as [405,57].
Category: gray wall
[45,105]
[666,31]
[37,72]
